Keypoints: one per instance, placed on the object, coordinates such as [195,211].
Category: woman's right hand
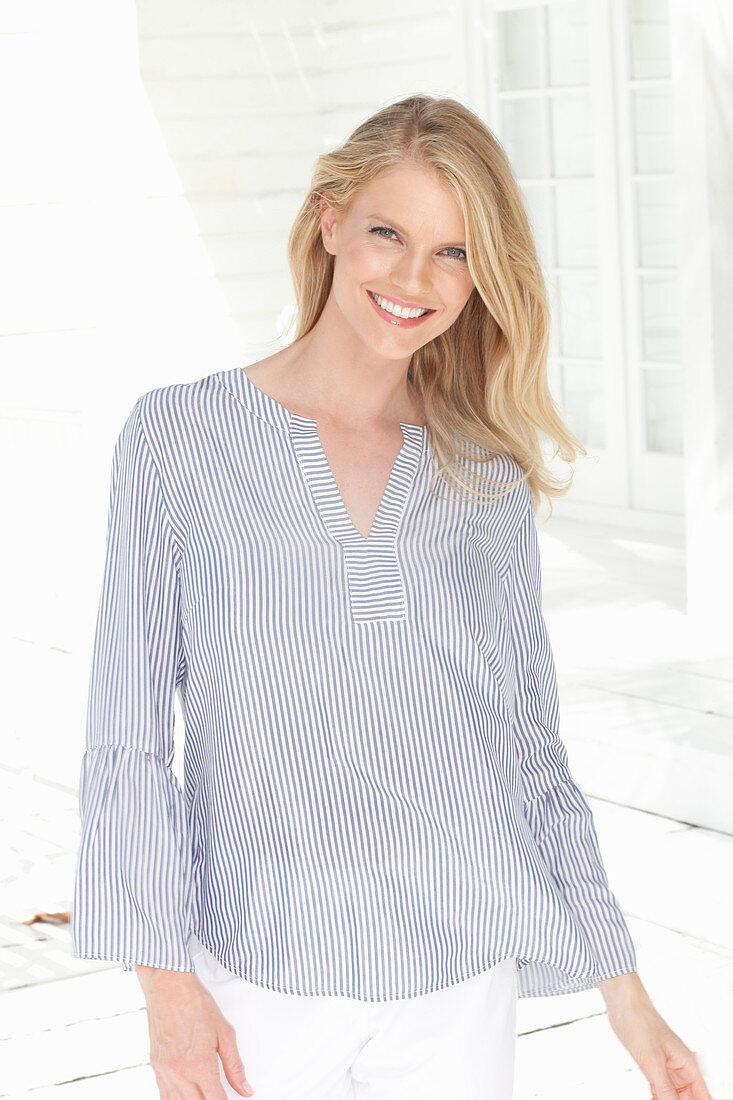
[187,1030]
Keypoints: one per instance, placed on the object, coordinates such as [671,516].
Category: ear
[328,218]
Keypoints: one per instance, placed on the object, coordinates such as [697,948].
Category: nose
[410,278]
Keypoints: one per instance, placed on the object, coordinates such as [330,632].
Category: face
[402,241]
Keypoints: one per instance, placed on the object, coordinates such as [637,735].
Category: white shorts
[457,1042]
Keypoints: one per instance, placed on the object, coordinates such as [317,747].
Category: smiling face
[401,243]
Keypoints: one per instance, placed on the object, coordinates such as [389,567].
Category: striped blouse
[376,801]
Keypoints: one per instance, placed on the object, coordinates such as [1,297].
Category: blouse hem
[579,984]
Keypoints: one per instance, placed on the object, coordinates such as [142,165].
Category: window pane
[653,131]
[522,136]
[577,241]
[660,334]
[584,402]
[567,26]
[520,48]
[656,219]
[649,29]
[579,317]
[663,410]
[572,134]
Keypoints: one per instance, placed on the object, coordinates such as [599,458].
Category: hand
[187,1029]
[669,1066]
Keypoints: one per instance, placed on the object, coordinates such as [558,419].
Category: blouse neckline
[278,415]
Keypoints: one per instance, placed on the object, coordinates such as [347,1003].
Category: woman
[379,845]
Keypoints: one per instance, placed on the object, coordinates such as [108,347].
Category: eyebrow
[394,225]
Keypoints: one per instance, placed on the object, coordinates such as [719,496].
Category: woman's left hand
[669,1066]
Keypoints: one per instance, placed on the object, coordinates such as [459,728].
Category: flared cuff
[562,823]
[132,893]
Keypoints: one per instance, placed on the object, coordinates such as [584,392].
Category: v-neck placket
[375,580]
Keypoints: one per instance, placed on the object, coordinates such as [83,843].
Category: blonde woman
[332,555]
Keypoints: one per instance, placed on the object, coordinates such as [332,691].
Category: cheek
[361,260]
[462,291]
[452,293]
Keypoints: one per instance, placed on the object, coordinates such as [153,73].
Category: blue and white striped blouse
[376,800]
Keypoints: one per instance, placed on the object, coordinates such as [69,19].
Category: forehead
[418,197]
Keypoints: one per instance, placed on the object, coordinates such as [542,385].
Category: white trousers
[458,1042]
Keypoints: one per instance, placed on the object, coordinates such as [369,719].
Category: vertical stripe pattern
[376,799]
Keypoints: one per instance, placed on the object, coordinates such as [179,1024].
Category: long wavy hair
[483,381]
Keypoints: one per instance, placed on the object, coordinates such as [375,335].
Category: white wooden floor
[648,720]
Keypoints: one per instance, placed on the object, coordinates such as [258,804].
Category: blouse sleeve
[132,891]
[558,813]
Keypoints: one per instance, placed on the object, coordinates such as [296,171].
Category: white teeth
[398,311]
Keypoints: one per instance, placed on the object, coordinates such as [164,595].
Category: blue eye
[379,229]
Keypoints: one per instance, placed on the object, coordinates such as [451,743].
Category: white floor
[647,708]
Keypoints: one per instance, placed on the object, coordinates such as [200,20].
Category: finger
[176,1094]
[212,1089]
[171,1089]
[689,1079]
[700,1090]
[164,1089]
[195,1092]
[695,1087]
[204,1083]
[231,1060]
[191,1090]
[662,1087]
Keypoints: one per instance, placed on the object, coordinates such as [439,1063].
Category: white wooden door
[579,93]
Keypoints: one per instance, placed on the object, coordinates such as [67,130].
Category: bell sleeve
[132,890]
[556,809]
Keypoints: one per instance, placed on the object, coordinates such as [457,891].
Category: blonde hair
[483,381]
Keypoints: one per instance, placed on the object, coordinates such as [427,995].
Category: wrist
[151,975]
[623,991]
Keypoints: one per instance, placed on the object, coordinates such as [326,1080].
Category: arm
[562,823]
[132,896]
[132,899]
[556,809]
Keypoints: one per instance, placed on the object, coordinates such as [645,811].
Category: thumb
[232,1063]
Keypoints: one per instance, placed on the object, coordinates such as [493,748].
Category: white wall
[704,108]
[154,158]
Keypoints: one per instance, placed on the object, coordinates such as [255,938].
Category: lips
[400,322]
[399,302]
